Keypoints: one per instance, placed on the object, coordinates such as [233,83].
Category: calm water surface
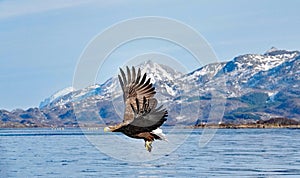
[231,153]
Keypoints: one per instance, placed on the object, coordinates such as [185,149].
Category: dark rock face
[279,121]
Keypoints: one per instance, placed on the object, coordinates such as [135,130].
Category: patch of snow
[56,96]
[273,49]
[170,90]
[62,93]
[272,95]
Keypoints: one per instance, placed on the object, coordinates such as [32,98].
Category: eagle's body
[142,118]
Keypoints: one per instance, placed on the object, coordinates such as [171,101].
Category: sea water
[230,153]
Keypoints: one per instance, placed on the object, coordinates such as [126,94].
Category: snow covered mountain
[243,68]
[56,97]
[163,78]
[256,86]
[204,74]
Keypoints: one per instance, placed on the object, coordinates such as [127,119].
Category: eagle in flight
[142,118]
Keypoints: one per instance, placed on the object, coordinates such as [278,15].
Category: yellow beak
[106,129]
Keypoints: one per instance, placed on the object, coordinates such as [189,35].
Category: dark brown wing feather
[135,87]
[146,118]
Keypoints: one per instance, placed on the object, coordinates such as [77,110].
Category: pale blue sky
[41,41]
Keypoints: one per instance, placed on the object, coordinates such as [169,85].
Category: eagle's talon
[148,145]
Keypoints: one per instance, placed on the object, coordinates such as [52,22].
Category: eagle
[142,118]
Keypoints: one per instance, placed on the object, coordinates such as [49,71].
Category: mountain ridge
[256,86]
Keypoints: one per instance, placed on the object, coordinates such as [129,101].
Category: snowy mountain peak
[205,73]
[272,49]
[280,53]
[159,72]
[258,62]
[162,76]
[56,96]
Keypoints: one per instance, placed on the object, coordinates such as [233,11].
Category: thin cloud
[19,8]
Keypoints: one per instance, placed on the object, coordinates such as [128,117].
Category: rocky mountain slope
[251,87]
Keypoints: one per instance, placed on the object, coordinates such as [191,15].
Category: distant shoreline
[273,123]
[212,126]
[247,126]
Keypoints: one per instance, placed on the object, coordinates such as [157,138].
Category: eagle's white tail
[160,133]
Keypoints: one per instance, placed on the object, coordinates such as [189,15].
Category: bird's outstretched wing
[135,88]
[147,118]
